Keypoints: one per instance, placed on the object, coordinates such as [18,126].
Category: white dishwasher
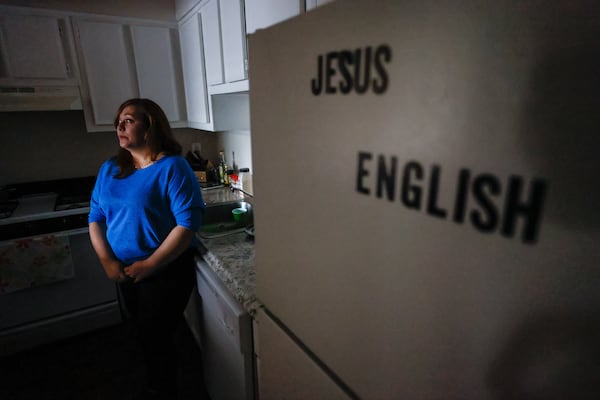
[226,339]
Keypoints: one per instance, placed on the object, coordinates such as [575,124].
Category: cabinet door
[264,13]
[211,37]
[234,40]
[108,68]
[224,40]
[34,47]
[157,68]
[120,61]
[190,37]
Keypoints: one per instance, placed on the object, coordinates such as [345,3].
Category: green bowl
[238,213]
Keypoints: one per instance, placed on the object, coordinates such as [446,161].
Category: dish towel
[36,261]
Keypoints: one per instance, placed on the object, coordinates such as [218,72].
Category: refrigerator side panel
[425,179]
[284,369]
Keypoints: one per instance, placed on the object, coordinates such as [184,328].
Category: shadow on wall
[557,355]
[553,356]
[47,145]
[561,124]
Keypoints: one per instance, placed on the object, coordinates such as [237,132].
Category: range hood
[39,98]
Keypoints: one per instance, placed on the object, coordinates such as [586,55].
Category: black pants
[156,306]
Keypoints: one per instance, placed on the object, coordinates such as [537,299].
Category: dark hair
[159,135]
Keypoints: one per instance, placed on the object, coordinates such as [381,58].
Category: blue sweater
[139,211]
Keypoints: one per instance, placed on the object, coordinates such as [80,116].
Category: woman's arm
[112,266]
[174,245]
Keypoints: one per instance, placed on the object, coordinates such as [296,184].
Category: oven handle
[70,232]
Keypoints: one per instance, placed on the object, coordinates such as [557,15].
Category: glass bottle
[223,169]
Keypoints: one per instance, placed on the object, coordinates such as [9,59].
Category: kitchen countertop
[231,257]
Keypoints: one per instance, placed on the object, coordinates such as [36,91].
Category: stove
[7,207]
[33,204]
[44,213]
[45,199]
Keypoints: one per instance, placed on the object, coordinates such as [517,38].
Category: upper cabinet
[212,41]
[214,66]
[233,37]
[224,41]
[261,14]
[107,71]
[194,75]
[197,70]
[36,49]
[119,60]
[158,69]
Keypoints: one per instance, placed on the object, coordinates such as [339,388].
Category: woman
[145,208]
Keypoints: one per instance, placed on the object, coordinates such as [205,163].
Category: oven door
[52,286]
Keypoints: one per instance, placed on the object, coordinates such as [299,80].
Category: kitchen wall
[53,145]
[238,142]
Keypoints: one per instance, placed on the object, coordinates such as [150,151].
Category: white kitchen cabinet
[107,69]
[233,32]
[224,40]
[35,48]
[120,60]
[261,14]
[211,38]
[194,76]
[158,69]
[218,105]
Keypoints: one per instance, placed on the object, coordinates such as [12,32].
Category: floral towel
[37,261]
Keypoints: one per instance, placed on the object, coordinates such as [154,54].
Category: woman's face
[130,129]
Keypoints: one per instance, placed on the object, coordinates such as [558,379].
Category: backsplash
[238,142]
[48,145]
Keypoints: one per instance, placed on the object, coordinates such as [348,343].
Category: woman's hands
[176,242]
[139,270]
[114,271]
[135,272]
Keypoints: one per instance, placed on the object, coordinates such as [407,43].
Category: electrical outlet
[196,147]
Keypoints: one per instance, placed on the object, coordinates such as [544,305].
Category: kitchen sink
[219,220]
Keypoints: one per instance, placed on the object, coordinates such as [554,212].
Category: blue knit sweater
[140,210]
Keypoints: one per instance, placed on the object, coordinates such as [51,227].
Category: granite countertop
[231,257]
